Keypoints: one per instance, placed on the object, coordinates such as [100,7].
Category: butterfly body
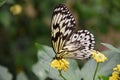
[66,42]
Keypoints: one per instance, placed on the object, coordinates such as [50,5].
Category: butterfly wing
[61,26]
[66,43]
[79,44]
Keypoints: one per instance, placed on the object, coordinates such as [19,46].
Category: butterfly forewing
[62,26]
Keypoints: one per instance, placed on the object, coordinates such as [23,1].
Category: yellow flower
[114,76]
[117,68]
[60,64]
[97,56]
[16,9]
[116,73]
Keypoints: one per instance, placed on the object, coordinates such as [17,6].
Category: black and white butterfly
[66,42]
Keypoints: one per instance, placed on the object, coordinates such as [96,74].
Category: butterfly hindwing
[61,27]
[79,45]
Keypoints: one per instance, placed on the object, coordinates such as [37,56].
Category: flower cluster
[16,9]
[61,64]
[116,73]
[98,57]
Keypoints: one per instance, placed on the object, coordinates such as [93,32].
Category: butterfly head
[60,55]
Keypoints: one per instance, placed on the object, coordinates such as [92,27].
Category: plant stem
[60,73]
[95,71]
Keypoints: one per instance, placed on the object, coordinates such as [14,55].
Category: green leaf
[103,78]
[39,47]
[2,2]
[4,74]
[22,76]
[5,18]
[43,70]
[104,69]
[111,47]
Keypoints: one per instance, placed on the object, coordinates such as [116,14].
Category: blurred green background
[23,25]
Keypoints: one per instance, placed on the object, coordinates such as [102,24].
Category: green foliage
[22,76]
[4,74]
[105,69]
[103,77]
[45,54]
[111,47]
[43,70]
[2,2]
[5,18]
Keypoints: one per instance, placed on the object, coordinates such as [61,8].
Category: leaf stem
[60,73]
[95,71]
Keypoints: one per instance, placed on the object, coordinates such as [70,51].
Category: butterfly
[66,42]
